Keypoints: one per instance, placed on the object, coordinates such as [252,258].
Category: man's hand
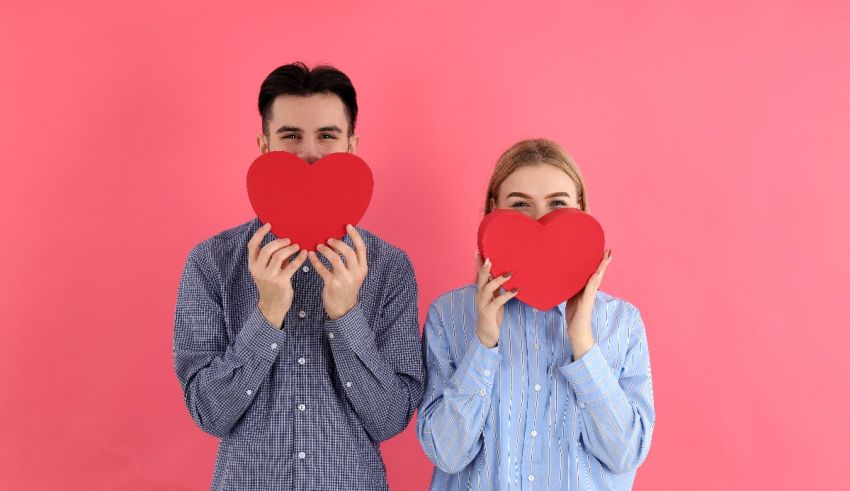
[343,280]
[272,271]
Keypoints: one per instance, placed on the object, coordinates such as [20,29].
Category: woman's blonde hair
[533,152]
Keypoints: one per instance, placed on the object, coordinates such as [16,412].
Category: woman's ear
[492,203]
[263,143]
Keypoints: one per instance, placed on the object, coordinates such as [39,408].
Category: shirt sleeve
[616,409]
[457,398]
[380,366]
[220,381]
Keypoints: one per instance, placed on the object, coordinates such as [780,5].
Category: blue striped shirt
[304,407]
[524,414]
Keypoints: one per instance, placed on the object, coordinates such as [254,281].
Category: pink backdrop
[715,139]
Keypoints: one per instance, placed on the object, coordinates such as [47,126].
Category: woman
[518,398]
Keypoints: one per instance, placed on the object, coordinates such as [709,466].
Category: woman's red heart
[550,259]
[309,203]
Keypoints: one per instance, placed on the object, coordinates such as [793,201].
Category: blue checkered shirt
[304,407]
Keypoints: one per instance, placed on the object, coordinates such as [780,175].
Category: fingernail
[487,262]
[515,290]
[507,275]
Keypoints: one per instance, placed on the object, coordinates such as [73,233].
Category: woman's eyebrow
[523,195]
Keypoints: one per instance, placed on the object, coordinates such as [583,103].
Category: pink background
[715,139]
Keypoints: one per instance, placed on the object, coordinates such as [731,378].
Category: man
[301,363]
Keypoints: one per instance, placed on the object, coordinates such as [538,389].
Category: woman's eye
[519,204]
[559,203]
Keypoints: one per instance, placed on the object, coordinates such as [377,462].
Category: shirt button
[483,392]
[330,335]
[581,405]
[537,387]
[348,384]
[302,314]
[249,391]
[305,269]
[274,345]
[486,372]
[302,407]
[536,346]
[531,477]
[533,433]
[302,455]
[302,361]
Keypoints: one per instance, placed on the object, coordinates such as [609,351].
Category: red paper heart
[309,203]
[550,259]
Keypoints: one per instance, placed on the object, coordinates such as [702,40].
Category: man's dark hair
[299,80]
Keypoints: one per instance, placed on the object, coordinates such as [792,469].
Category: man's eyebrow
[284,129]
[332,128]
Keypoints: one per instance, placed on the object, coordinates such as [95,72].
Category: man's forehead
[309,113]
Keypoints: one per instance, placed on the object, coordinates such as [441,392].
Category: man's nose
[309,152]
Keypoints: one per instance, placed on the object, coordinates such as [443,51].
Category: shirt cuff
[351,328]
[259,337]
[477,371]
[590,376]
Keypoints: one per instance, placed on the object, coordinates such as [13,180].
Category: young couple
[303,363]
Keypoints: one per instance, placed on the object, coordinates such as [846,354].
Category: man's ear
[353,141]
[263,143]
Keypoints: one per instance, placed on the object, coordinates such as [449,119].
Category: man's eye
[519,204]
[291,136]
[327,137]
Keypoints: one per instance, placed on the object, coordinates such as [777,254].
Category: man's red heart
[309,203]
[550,259]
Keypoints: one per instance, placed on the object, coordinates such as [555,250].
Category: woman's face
[536,190]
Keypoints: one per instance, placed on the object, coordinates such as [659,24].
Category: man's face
[310,127]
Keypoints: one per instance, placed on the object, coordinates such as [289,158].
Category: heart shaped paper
[550,259]
[309,203]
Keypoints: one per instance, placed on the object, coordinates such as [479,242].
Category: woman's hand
[490,304]
[580,308]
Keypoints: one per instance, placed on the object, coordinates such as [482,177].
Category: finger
[596,279]
[294,264]
[503,298]
[269,249]
[280,256]
[494,284]
[319,267]
[359,244]
[347,252]
[332,256]
[483,274]
[254,243]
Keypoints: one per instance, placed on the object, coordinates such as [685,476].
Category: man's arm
[220,381]
[380,368]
